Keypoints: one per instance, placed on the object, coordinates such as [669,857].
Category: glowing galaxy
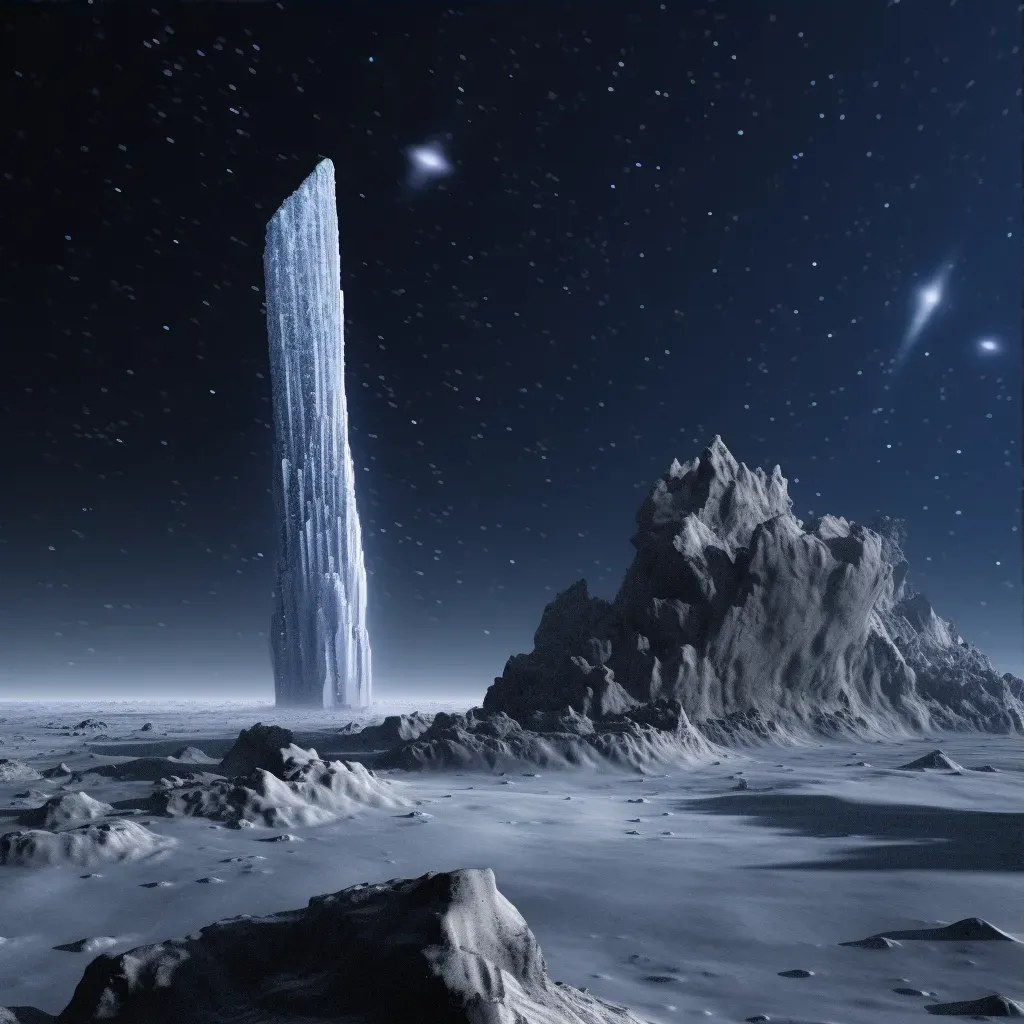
[426,162]
[928,299]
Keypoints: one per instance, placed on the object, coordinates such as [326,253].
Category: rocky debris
[936,760]
[447,948]
[147,727]
[758,625]
[114,840]
[63,810]
[57,771]
[91,723]
[17,771]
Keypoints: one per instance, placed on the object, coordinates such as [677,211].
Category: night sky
[662,221]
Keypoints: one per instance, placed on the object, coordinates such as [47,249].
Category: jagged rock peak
[723,494]
[758,623]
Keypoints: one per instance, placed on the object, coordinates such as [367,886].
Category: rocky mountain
[755,621]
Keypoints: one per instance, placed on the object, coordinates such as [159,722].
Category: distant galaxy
[928,298]
[426,162]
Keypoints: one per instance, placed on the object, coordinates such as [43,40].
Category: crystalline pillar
[319,643]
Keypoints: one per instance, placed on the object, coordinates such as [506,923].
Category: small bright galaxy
[427,162]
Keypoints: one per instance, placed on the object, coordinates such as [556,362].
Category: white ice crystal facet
[319,640]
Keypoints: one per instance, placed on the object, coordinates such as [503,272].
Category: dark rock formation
[393,730]
[264,746]
[757,623]
[444,948]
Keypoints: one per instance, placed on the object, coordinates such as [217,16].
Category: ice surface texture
[320,646]
[446,948]
[758,623]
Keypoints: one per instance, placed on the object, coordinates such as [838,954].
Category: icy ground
[681,896]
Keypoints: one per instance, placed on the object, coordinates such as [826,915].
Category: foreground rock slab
[446,948]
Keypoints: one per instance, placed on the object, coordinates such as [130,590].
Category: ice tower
[319,643]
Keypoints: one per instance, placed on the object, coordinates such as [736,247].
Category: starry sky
[655,222]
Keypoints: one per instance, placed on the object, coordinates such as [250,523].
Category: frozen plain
[687,905]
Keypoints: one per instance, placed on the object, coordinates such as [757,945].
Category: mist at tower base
[319,642]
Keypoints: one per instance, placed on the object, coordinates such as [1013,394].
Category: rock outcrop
[640,739]
[446,948]
[393,730]
[274,782]
[758,623]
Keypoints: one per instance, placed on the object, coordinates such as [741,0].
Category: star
[989,346]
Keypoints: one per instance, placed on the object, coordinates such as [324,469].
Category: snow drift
[116,840]
[758,624]
[446,948]
[65,809]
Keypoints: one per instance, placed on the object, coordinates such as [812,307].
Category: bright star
[989,346]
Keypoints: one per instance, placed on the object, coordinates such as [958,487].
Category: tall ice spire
[319,642]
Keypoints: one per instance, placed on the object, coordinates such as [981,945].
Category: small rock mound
[93,945]
[970,929]
[25,1015]
[309,793]
[872,942]
[193,755]
[267,747]
[393,730]
[62,810]
[116,840]
[987,1006]
[91,723]
[17,771]
[446,948]
[936,760]
[57,772]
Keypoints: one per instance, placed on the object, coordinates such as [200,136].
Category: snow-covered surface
[674,895]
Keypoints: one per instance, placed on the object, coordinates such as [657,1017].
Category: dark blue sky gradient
[662,224]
